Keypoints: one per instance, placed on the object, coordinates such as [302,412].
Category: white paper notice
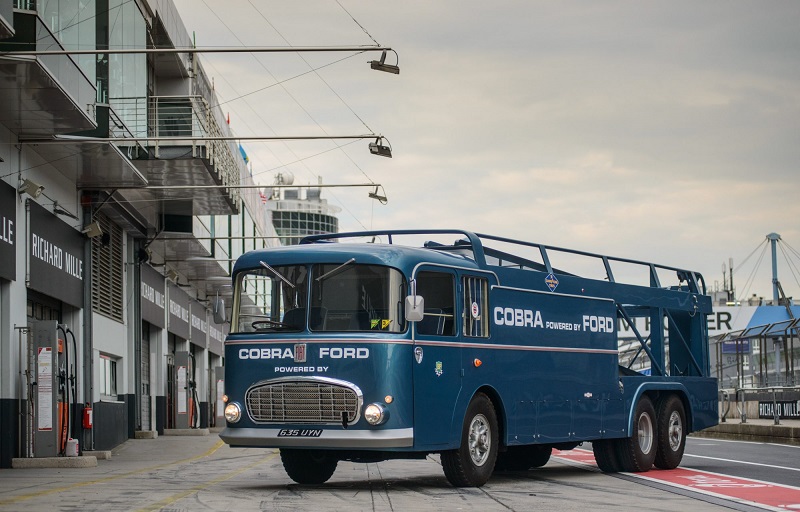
[44,386]
[181,390]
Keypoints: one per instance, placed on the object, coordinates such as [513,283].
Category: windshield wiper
[277,274]
[340,268]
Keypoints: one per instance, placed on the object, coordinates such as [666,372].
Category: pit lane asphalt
[176,473]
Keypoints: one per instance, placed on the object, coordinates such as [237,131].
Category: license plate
[300,433]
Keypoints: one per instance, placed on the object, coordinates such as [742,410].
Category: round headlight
[375,414]
[233,412]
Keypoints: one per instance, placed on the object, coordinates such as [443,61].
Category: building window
[125,76]
[73,25]
[107,270]
[43,308]
[108,377]
[292,226]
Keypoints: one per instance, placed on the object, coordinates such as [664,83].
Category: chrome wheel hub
[645,433]
[480,440]
[675,431]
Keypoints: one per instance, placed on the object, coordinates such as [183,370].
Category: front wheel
[638,452]
[308,466]
[671,419]
[472,463]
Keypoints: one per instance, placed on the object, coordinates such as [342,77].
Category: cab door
[437,371]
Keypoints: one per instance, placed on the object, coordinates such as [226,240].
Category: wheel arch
[499,410]
[657,391]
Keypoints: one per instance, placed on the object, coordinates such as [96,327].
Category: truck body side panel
[553,360]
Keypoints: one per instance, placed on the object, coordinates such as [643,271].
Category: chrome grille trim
[305,400]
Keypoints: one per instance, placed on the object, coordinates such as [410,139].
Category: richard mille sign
[55,256]
[178,308]
[8,231]
[153,299]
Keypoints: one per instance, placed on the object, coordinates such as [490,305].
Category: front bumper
[353,439]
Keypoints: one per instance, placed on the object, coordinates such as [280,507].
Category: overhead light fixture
[172,275]
[379,197]
[377,148]
[29,187]
[92,230]
[381,65]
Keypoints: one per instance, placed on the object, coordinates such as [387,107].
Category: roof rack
[479,252]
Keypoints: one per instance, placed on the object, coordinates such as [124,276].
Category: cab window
[438,290]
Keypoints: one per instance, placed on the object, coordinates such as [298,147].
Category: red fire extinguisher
[87,417]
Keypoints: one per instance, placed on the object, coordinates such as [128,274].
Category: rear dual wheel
[638,452]
[671,433]
[606,455]
[658,438]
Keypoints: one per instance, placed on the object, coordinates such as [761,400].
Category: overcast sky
[658,131]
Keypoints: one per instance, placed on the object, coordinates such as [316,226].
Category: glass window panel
[269,303]
[354,297]
[438,291]
[476,307]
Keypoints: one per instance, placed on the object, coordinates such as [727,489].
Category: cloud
[655,131]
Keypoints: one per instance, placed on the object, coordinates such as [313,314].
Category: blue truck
[482,349]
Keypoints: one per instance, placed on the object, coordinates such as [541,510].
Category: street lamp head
[377,148]
[381,198]
[31,188]
[381,65]
[93,230]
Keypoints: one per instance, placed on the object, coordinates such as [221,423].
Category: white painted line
[741,462]
[710,442]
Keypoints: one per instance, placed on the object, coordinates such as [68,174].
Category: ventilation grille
[107,270]
[302,402]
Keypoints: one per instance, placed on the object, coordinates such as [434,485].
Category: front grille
[313,400]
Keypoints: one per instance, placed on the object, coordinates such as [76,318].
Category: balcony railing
[132,114]
[191,116]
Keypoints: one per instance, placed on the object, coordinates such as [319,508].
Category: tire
[638,452]
[472,463]
[523,458]
[606,455]
[671,418]
[308,466]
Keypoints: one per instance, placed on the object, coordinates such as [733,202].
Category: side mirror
[415,308]
[219,310]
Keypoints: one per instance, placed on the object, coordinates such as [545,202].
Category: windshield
[268,296]
[357,298]
[344,298]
